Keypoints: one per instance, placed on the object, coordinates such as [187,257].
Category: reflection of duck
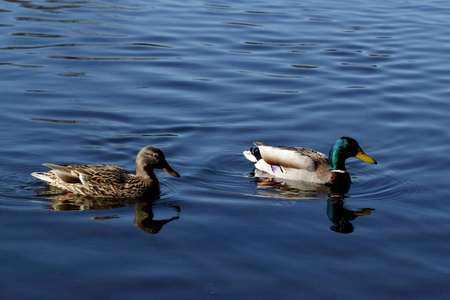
[341,216]
[306,164]
[102,180]
[64,202]
[297,187]
[144,217]
[143,210]
[299,190]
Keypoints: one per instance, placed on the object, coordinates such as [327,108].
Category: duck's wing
[98,174]
[101,175]
[292,157]
[64,172]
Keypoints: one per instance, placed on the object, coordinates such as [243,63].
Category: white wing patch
[287,158]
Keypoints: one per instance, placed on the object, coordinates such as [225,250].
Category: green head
[344,148]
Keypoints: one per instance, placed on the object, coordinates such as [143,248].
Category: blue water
[94,82]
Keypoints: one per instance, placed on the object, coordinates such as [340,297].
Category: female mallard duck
[101,180]
[306,164]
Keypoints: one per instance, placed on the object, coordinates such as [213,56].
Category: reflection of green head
[344,148]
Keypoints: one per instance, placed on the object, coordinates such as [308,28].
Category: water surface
[94,82]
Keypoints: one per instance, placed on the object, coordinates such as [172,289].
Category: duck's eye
[152,155]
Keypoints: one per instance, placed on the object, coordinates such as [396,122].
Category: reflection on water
[143,209]
[300,189]
[339,215]
[144,217]
[48,7]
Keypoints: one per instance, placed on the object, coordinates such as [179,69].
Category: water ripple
[83,45]
[225,176]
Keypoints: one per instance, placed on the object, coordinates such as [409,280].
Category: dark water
[93,82]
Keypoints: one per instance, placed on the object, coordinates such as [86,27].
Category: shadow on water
[340,216]
[143,208]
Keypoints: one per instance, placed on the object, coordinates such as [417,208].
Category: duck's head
[344,148]
[150,158]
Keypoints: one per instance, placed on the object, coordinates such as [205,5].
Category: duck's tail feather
[253,155]
[43,176]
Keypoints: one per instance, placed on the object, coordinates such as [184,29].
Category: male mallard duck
[101,180]
[306,164]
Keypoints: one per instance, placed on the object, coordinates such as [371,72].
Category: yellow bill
[171,171]
[364,157]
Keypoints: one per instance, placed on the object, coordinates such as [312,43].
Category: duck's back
[292,157]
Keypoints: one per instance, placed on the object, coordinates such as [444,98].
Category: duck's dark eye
[153,155]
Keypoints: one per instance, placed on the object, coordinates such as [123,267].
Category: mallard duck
[102,180]
[306,164]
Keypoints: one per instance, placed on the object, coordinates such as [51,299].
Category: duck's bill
[171,171]
[364,157]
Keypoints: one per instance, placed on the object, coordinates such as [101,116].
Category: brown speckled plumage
[101,180]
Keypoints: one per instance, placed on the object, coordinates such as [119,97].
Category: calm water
[93,82]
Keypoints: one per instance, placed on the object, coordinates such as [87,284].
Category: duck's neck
[142,173]
[336,161]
